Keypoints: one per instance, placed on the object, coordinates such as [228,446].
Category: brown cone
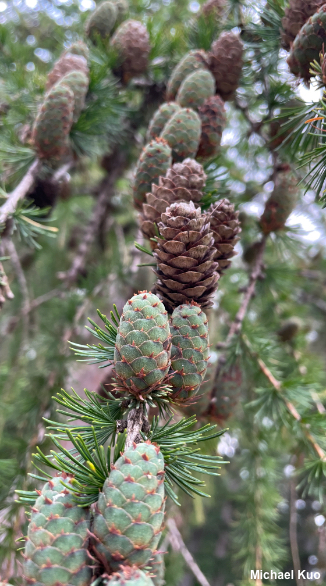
[131,41]
[213,8]
[225,226]
[186,269]
[66,63]
[295,17]
[182,182]
[225,63]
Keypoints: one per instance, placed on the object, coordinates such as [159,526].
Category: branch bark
[135,422]
[178,544]
[250,291]
[100,209]
[22,189]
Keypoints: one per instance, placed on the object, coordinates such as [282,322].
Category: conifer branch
[277,385]
[22,189]
[249,293]
[100,209]
[178,544]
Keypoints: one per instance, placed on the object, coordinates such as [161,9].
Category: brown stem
[22,189]
[293,535]
[250,291]
[14,258]
[135,422]
[100,209]
[178,544]
[5,291]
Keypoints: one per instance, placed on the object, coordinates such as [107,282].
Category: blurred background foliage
[247,521]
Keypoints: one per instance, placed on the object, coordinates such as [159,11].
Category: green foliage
[95,354]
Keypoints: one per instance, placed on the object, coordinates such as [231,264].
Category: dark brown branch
[178,544]
[100,209]
[249,293]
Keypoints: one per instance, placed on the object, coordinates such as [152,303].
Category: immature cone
[128,576]
[157,569]
[192,61]
[213,9]
[296,15]
[131,42]
[160,118]
[143,345]
[281,202]
[183,182]
[182,133]
[225,63]
[56,547]
[225,226]
[195,89]
[53,123]
[186,269]
[226,393]
[130,509]
[66,63]
[77,82]
[190,350]
[122,7]
[154,161]
[78,48]
[308,44]
[213,121]
[101,22]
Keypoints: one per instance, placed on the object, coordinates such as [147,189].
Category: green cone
[308,44]
[128,576]
[182,133]
[143,344]
[130,513]
[77,82]
[122,7]
[154,161]
[195,89]
[53,123]
[160,118]
[192,61]
[190,350]
[56,548]
[78,48]
[101,21]
[157,569]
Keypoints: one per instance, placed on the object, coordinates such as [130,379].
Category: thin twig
[22,189]
[5,291]
[291,408]
[178,544]
[293,534]
[78,265]
[14,258]
[250,291]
